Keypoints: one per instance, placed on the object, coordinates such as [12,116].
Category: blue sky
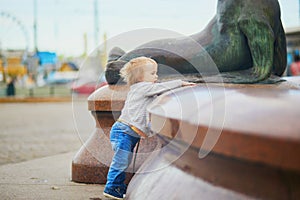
[62,23]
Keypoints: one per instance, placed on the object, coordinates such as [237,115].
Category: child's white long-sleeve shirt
[139,97]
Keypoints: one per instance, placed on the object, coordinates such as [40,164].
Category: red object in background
[295,68]
[87,88]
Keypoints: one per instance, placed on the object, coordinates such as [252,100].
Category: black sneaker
[113,193]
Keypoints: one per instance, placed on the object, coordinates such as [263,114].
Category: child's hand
[185,83]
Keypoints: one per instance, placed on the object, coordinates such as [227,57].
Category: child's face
[150,73]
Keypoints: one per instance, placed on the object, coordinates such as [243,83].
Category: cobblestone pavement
[34,130]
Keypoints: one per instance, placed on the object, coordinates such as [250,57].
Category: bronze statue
[245,40]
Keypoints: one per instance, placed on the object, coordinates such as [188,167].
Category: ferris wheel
[13,33]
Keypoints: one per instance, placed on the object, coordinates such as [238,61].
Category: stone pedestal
[255,156]
[91,163]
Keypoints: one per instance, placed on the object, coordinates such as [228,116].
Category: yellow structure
[68,67]
[1,67]
[65,68]
[14,67]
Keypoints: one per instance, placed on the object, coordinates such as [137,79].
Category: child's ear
[141,79]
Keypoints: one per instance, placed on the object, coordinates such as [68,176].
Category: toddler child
[141,75]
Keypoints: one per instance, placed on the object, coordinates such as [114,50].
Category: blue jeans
[123,144]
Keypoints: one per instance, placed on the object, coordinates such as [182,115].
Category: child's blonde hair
[133,71]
